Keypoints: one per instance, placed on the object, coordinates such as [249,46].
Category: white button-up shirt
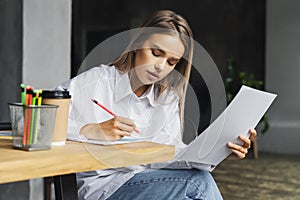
[157,122]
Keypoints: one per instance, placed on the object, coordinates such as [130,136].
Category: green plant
[235,79]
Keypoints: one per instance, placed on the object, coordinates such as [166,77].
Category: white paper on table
[244,112]
[124,140]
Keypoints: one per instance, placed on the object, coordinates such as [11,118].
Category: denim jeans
[173,184]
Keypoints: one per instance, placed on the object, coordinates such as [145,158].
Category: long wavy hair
[165,22]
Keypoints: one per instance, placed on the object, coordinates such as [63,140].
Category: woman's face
[156,58]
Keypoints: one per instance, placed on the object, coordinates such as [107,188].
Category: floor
[270,176]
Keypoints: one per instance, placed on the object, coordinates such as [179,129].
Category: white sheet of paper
[124,140]
[244,112]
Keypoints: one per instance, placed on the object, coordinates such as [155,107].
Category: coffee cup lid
[56,94]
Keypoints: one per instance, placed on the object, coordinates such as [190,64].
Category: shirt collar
[123,89]
[149,94]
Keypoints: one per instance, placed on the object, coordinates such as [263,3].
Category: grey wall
[46,42]
[11,76]
[283,76]
[10,54]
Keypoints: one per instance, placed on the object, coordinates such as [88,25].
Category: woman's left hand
[238,151]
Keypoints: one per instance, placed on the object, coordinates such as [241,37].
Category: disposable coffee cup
[62,99]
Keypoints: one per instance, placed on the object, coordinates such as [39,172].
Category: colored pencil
[27,121]
[39,102]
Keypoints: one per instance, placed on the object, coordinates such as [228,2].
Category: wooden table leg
[65,187]
[47,187]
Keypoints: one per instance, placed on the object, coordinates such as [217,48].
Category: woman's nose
[161,65]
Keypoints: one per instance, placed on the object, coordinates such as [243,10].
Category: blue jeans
[173,184]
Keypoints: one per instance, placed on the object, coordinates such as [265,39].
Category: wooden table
[65,161]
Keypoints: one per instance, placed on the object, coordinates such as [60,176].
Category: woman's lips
[153,74]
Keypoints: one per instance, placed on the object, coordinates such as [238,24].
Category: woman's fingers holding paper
[253,134]
[239,150]
[246,141]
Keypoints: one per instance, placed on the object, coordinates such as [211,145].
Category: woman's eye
[155,52]
[172,63]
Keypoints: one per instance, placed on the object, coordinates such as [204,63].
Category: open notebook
[121,141]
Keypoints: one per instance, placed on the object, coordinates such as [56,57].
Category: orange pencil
[27,118]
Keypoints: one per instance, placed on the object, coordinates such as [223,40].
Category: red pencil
[110,112]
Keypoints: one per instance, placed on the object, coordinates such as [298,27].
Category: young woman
[146,87]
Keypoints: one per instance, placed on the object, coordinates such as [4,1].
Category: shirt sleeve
[81,89]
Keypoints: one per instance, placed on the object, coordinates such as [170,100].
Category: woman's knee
[202,186]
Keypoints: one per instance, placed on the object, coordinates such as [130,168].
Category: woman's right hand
[110,130]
